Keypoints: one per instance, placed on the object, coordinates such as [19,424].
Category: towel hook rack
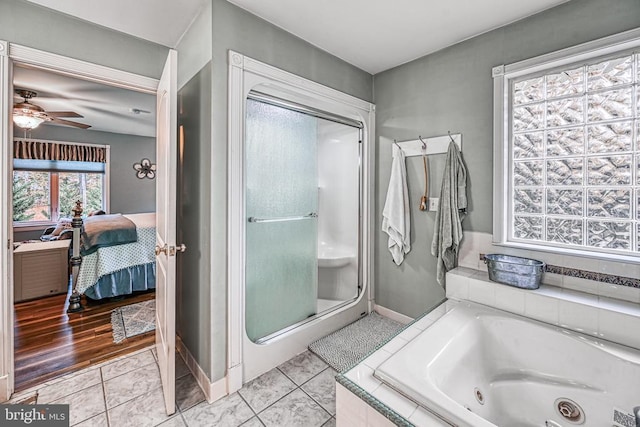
[428,146]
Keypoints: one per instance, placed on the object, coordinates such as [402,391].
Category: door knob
[160,250]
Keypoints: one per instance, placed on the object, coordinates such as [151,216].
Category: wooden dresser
[40,269]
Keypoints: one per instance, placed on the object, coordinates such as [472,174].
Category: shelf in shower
[332,258]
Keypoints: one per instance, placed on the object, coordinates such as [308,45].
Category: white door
[6,255]
[166,154]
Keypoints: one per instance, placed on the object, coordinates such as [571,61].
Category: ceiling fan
[29,116]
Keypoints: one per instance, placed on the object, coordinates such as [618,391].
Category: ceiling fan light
[27,121]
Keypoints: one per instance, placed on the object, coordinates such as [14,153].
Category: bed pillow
[106,230]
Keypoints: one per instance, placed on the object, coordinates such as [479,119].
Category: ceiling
[105,108]
[374,35]
[159,21]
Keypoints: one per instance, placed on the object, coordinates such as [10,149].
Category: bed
[113,266]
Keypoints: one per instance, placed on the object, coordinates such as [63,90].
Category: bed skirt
[124,282]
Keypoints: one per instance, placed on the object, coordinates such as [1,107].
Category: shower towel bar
[283,218]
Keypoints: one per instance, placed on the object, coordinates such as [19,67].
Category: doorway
[33,58]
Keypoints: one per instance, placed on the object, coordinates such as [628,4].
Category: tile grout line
[104,398]
[255,414]
[311,397]
[298,387]
[126,401]
[317,403]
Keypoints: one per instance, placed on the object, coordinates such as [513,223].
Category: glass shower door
[281,283]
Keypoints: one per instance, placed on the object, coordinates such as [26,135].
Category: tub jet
[569,410]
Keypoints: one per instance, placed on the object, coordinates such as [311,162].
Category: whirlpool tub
[478,366]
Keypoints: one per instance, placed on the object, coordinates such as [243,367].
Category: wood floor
[51,343]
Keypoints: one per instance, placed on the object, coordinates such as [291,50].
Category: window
[48,196]
[48,179]
[570,151]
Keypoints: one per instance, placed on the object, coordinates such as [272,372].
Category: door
[6,255]
[166,178]
[281,173]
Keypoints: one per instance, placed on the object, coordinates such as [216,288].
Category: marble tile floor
[127,392]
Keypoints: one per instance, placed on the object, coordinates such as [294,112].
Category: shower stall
[300,203]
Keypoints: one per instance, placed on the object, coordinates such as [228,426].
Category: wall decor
[145,169]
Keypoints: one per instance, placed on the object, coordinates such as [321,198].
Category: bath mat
[132,320]
[28,399]
[347,346]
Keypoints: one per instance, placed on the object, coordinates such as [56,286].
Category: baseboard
[212,390]
[234,377]
[393,315]
[5,394]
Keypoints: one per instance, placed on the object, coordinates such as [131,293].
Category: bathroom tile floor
[127,392]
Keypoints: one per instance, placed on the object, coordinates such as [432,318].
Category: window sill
[572,252]
[32,226]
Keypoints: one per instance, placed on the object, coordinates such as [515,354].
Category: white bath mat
[345,347]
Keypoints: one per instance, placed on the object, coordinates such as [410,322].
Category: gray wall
[193,290]
[453,90]
[34,26]
[128,194]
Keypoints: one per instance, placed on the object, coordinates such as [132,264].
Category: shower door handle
[283,218]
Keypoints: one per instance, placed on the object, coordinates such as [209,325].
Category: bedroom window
[48,196]
[48,178]
[568,162]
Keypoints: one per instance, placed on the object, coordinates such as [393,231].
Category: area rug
[347,346]
[132,320]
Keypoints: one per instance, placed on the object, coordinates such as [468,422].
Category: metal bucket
[515,271]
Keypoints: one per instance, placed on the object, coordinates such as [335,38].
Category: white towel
[396,214]
[447,232]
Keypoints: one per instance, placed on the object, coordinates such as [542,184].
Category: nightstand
[40,269]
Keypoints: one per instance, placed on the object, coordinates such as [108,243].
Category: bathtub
[478,366]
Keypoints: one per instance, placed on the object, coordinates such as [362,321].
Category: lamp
[27,121]
[27,115]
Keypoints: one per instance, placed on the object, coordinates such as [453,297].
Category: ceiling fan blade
[69,123]
[64,114]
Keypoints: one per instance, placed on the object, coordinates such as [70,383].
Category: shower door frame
[244,74]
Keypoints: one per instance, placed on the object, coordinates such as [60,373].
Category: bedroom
[121,126]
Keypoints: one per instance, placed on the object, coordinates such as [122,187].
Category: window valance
[31,149]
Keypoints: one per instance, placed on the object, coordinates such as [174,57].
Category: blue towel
[447,232]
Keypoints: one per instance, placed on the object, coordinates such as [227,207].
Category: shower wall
[338,210]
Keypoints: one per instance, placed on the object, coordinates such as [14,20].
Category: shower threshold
[327,306]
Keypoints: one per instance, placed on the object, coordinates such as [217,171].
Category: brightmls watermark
[34,415]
